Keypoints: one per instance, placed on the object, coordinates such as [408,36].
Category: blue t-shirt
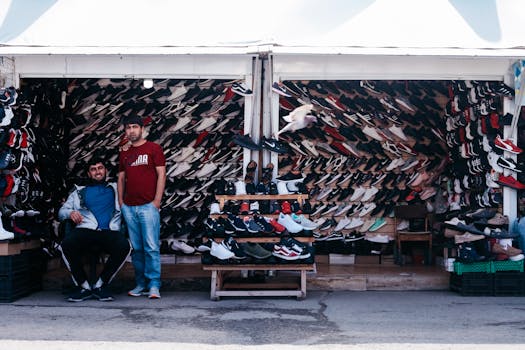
[100,200]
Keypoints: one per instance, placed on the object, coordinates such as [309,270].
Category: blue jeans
[143,223]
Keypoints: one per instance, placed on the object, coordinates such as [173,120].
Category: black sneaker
[290,176]
[80,294]
[102,294]
[246,142]
[274,146]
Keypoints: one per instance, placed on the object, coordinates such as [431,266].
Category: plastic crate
[509,283]
[472,283]
[508,265]
[18,285]
[461,268]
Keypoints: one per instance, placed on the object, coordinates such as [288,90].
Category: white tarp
[201,26]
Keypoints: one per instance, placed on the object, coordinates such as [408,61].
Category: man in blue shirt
[95,210]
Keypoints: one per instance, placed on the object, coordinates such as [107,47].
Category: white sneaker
[181,246]
[215,208]
[220,252]
[240,187]
[306,223]
[366,226]
[282,188]
[493,161]
[367,130]
[358,193]
[4,234]
[367,208]
[179,169]
[369,194]
[310,147]
[403,225]
[287,221]
[396,130]
[355,222]
[254,206]
[205,123]
[206,170]
[181,123]
[342,224]
[186,152]
[378,238]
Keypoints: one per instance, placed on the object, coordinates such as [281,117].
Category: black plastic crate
[26,260]
[509,283]
[472,283]
[18,285]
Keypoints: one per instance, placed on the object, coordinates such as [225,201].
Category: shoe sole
[137,294]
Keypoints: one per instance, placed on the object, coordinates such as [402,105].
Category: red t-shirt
[139,164]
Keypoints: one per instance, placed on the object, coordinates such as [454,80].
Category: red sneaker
[510,182]
[334,133]
[507,145]
[277,226]
[286,208]
[245,208]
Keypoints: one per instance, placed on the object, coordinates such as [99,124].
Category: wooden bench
[221,286]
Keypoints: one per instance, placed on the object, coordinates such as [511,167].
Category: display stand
[286,286]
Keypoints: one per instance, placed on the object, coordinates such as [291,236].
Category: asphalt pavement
[349,320]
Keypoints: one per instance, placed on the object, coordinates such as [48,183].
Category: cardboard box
[10,248]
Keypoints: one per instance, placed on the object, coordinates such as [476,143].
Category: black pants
[80,240]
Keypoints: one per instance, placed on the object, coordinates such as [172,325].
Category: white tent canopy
[476,27]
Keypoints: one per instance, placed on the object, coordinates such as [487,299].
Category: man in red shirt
[141,181]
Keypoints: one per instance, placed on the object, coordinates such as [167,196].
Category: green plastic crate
[461,268]
[508,265]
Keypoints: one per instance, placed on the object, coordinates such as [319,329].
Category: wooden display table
[220,286]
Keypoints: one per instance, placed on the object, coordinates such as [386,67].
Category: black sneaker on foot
[80,294]
[102,294]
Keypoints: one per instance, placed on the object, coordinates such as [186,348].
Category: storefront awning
[401,27]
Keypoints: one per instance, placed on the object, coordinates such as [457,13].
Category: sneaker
[285,253]
[102,294]
[507,145]
[280,89]
[379,238]
[367,208]
[231,245]
[220,252]
[282,188]
[306,223]
[342,224]
[181,246]
[354,223]
[237,223]
[255,250]
[508,163]
[467,237]
[241,89]
[291,176]
[137,291]
[289,223]
[240,188]
[154,293]
[510,181]
[366,226]
[273,145]
[379,222]
[80,294]
[277,226]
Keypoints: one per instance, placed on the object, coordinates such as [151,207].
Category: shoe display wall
[377,144]
[30,155]
[77,119]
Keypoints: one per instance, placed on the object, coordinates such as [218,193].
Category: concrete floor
[325,320]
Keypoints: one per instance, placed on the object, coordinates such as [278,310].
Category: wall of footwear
[356,147]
